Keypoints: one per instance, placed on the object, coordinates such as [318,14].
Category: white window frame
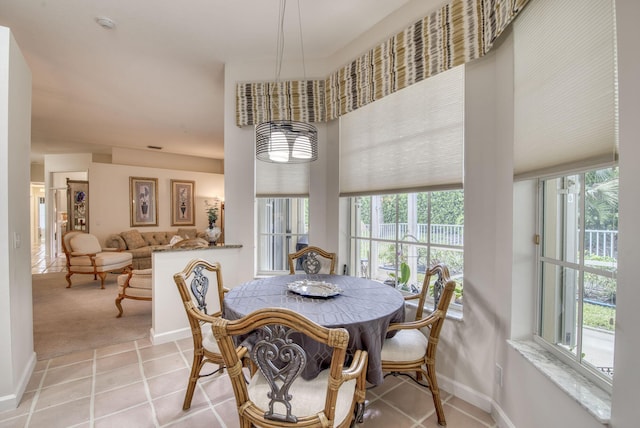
[574,360]
[277,237]
[399,240]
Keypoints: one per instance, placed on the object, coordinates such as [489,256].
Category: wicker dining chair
[275,395]
[193,285]
[314,260]
[410,350]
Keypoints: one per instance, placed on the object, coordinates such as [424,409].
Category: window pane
[385,261]
[361,217]
[447,218]
[362,255]
[383,217]
[559,312]
[282,229]
[578,294]
[601,219]
[599,314]
[397,248]
[561,205]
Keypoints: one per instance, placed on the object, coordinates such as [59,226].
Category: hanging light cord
[280,39]
[304,68]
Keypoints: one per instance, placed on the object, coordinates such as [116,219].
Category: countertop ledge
[210,247]
[591,397]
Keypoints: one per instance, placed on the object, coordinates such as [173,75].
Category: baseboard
[476,398]
[498,415]
[169,336]
[465,393]
[11,401]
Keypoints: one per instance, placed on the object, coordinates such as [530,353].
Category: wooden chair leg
[119,305]
[196,366]
[102,276]
[435,392]
[68,278]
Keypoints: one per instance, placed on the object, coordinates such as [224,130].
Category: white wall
[159,159]
[109,197]
[17,356]
[498,296]
[627,348]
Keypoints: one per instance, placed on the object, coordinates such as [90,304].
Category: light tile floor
[137,384]
[40,263]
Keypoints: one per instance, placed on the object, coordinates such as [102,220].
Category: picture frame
[183,203]
[143,196]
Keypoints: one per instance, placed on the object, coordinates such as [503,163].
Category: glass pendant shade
[284,141]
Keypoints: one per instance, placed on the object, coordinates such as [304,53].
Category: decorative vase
[213,233]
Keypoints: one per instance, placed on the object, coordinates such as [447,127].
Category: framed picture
[143,194]
[182,203]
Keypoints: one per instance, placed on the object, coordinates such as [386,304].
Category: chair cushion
[406,345]
[142,290]
[308,396]
[208,340]
[104,259]
[85,243]
[133,238]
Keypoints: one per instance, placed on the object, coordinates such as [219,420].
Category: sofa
[142,244]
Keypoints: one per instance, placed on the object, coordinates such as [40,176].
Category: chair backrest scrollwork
[280,361]
[199,287]
[311,264]
[311,260]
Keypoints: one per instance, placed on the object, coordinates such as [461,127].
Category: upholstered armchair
[136,284]
[85,256]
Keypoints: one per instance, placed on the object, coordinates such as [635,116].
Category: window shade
[282,180]
[411,140]
[565,114]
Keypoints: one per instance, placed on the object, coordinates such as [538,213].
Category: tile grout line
[92,400]
[147,390]
[36,395]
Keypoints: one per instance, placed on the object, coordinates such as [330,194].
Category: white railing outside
[444,234]
[603,243]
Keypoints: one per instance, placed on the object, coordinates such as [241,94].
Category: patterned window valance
[458,32]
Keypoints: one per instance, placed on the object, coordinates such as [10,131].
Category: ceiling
[156,79]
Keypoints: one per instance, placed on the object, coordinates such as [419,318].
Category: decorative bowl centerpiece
[312,288]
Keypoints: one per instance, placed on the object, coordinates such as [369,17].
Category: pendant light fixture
[286,141]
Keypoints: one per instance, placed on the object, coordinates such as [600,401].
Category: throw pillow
[133,239]
[175,239]
[188,233]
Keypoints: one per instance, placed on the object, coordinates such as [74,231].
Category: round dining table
[365,308]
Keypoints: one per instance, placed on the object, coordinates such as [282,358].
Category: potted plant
[403,276]
[213,232]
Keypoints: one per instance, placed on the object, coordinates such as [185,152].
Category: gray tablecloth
[365,308]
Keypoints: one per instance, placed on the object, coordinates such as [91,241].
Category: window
[578,259]
[283,227]
[396,238]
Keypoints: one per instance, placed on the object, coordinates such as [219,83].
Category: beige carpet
[83,317]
